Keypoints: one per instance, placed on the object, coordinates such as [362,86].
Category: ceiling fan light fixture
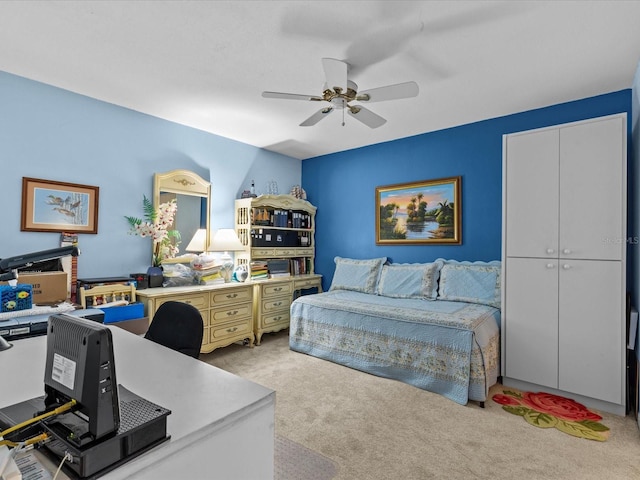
[345,91]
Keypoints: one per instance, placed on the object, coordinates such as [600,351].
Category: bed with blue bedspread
[435,326]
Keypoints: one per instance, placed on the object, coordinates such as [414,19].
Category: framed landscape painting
[426,212]
[49,206]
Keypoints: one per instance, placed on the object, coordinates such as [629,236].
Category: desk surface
[203,399]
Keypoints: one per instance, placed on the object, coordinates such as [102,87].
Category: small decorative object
[272,187]
[426,212]
[157,224]
[298,192]
[49,206]
[241,273]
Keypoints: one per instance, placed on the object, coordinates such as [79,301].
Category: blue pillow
[357,275]
[410,280]
[477,282]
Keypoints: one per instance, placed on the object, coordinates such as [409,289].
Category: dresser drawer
[307,283]
[231,296]
[286,252]
[231,313]
[276,289]
[275,318]
[198,300]
[276,304]
[262,252]
[222,332]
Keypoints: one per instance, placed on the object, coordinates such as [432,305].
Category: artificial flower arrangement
[156,225]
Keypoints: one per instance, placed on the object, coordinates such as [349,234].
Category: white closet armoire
[564,261]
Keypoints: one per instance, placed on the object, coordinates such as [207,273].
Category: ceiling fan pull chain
[343,112]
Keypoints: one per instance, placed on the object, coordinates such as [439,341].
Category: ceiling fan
[340,92]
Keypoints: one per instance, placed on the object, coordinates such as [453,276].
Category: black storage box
[268,237]
[141,279]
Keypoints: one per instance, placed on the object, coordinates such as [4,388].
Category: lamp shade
[225,240]
[199,241]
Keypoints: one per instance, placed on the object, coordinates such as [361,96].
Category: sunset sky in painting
[433,195]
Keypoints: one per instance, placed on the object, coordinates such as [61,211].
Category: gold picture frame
[425,212]
[50,206]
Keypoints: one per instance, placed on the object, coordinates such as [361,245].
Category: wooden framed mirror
[193,195]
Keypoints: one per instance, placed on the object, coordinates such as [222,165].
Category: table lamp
[199,241]
[225,240]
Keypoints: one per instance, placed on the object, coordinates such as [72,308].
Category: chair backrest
[178,326]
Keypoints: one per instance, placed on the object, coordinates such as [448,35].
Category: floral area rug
[545,410]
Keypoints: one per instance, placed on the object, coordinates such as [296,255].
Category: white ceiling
[205,63]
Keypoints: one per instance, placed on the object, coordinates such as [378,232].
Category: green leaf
[516,410]
[149,210]
[511,393]
[595,426]
[577,429]
[541,420]
[133,221]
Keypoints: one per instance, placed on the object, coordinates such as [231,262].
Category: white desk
[221,425]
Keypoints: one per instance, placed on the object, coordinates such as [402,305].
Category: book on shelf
[258,269]
[280,274]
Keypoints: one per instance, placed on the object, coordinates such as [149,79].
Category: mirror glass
[193,196]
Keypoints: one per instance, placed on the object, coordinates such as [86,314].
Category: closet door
[590,329]
[531,194]
[592,201]
[531,326]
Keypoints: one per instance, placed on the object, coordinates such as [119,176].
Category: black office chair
[178,326]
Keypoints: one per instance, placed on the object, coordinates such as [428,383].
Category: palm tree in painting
[411,210]
[445,215]
[395,208]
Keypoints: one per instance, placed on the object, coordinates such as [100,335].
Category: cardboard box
[48,288]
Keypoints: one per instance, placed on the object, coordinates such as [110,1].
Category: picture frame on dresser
[425,212]
[53,206]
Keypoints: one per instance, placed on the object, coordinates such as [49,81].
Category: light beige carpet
[294,461]
[375,428]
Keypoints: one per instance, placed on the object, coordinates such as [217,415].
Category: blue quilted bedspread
[450,348]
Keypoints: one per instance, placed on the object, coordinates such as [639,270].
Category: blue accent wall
[342,185]
[53,134]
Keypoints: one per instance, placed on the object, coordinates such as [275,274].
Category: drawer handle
[277,289]
[277,304]
[231,313]
[232,295]
[278,318]
[231,330]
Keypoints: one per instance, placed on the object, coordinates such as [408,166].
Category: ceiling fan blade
[335,72]
[291,96]
[390,92]
[366,116]
[316,117]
